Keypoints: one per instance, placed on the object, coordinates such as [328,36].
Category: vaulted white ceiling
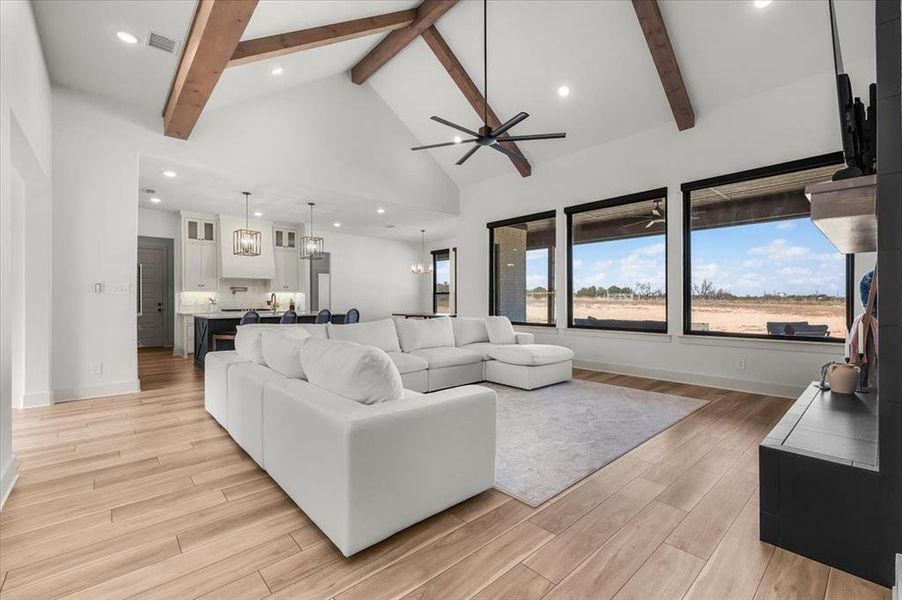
[727,50]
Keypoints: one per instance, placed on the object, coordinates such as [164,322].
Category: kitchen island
[208,324]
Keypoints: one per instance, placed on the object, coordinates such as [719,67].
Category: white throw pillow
[282,351]
[416,334]
[380,334]
[248,343]
[500,330]
[362,373]
[468,330]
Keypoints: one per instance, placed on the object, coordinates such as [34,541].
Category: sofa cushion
[447,357]
[362,373]
[248,342]
[500,330]
[416,334]
[380,334]
[282,352]
[530,354]
[481,348]
[468,330]
[407,363]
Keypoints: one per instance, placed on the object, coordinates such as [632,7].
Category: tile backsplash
[255,296]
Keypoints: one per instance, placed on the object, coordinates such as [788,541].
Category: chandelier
[246,242]
[311,246]
[423,267]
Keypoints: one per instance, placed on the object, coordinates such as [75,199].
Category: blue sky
[792,257]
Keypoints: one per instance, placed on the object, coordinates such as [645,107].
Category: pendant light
[311,246]
[246,242]
[423,267]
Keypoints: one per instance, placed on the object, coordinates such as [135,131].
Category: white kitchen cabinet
[286,271]
[200,230]
[285,238]
[200,268]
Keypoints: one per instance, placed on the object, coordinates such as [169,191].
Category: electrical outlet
[740,364]
[97,369]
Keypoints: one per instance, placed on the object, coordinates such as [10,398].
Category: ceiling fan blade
[454,125]
[464,158]
[510,123]
[510,153]
[537,136]
[650,223]
[635,223]
[443,144]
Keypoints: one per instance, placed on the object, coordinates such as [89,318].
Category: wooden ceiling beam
[215,32]
[463,81]
[427,13]
[652,23]
[250,51]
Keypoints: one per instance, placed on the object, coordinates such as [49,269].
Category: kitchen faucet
[273,302]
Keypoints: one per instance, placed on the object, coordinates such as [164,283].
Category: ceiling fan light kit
[486,136]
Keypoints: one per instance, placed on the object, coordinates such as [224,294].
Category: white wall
[25,134]
[372,275]
[796,121]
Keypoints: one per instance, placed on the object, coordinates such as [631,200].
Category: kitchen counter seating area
[206,325]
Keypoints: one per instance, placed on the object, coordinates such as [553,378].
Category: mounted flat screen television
[857,124]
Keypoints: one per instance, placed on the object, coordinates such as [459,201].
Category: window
[521,268]
[755,264]
[444,292]
[617,263]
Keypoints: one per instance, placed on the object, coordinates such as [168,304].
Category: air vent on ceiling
[149,190]
[161,42]
[389,226]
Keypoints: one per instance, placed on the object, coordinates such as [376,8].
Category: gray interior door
[153,273]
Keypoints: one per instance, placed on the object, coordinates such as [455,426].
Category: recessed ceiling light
[258,214]
[336,224]
[381,211]
[277,71]
[457,139]
[127,37]
[169,173]
[155,200]
[563,91]
[762,3]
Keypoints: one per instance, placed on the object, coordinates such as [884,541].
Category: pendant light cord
[247,195]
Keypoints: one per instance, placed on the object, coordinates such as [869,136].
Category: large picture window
[617,263]
[521,269]
[755,264]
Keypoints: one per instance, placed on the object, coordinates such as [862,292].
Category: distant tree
[538,290]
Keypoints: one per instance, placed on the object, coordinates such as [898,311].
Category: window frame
[435,255]
[569,211]
[822,160]
[548,214]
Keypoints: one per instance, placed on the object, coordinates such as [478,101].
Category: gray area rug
[552,437]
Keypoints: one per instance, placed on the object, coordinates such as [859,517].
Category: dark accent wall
[889,265]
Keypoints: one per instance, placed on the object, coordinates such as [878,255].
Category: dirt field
[734,316]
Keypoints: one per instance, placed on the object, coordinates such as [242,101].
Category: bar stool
[248,318]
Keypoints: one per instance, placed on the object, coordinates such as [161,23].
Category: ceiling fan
[486,136]
[657,216]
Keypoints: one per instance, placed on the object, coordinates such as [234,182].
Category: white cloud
[577,264]
[787,225]
[780,250]
[534,281]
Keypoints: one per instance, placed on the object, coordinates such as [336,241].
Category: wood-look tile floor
[145,496]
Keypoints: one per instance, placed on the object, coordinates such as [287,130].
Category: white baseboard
[9,473]
[727,383]
[97,391]
[37,399]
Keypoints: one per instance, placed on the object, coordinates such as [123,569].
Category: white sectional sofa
[337,415]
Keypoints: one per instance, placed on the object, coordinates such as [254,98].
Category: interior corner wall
[25,149]
[792,122]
